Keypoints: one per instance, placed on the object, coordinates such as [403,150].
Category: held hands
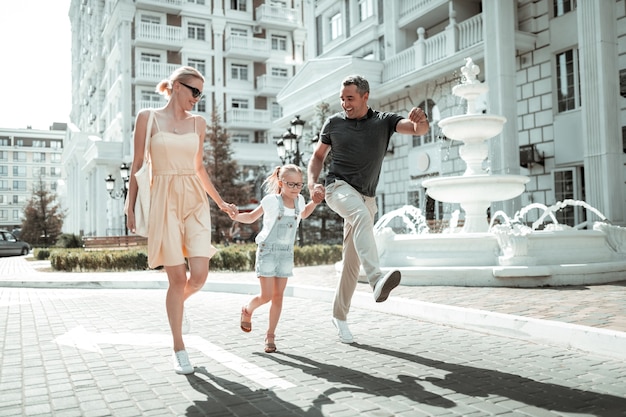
[230,209]
[318,193]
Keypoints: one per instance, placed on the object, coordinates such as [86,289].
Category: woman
[179,224]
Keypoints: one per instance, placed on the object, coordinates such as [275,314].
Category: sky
[35,63]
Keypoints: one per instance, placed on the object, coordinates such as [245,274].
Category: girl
[179,223]
[283,207]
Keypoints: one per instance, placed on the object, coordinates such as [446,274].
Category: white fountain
[505,254]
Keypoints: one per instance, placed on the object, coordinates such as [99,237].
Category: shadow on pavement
[357,381]
[480,382]
[229,398]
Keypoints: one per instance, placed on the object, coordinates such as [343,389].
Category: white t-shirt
[270,214]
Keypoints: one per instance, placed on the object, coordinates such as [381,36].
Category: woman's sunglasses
[194,91]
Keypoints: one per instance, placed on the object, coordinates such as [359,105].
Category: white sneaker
[181,363]
[343,331]
[186,323]
[384,285]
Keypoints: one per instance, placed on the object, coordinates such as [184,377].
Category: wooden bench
[114,242]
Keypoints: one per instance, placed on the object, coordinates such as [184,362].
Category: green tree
[324,225]
[225,175]
[43,217]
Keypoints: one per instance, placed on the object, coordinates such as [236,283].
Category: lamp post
[288,147]
[122,192]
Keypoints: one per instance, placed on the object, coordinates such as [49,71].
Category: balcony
[153,72]
[166,6]
[247,48]
[248,119]
[277,17]
[269,86]
[153,35]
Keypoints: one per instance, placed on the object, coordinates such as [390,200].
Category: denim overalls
[274,256]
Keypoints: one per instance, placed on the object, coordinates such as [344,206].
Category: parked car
[10,245]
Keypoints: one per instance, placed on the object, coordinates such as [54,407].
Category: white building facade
[556,70]
[247,51]
[28,156]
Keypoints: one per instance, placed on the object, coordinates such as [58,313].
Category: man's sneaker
[186,323]
[181,363]
[343,331]
[384,285]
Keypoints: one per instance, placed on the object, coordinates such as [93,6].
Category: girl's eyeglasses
[194,91]
[298,185]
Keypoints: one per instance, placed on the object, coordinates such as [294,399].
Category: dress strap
[281,206]
[156,121]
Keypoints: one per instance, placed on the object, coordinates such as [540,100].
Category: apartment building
[247,50]
[556,70]
[28,156]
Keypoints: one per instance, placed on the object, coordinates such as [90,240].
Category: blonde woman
[179,224]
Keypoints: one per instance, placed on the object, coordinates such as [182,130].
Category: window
[39,157]
[568,82]
[19,156]
[19,185]
[16,199]
[566,188]
[199,64]
[279,43]
[4,185]
[277,111]
[239,5]
[563,6]
[434,133]
[366,9]
[150,97]
[154,58]
[16,216]
[243,33]
[19,142]
[146,18]
[240,138]
[39,172]
[239,72]
[55,171]
[239,103]
[4,171]
[196,31]
[4,156]
[196,1]
[19,171]
[4,142]
[4,214]
[56,144]
[335,26]
[39,144]
[55,157]
[279,72]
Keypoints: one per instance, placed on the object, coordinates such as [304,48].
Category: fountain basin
[472,127]
[475,194]
[556,258]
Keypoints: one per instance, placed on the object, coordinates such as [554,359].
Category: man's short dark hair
[362,86]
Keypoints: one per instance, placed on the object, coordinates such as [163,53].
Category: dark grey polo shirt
[358,147]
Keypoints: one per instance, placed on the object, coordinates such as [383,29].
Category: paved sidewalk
[98,345]
[591,318]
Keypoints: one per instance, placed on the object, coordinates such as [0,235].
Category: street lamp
[122,192]
[289,147]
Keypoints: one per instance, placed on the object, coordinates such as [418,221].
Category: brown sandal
[246,320]
[270,347]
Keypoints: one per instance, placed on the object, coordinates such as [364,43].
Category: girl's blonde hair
[271,182]
[182,74]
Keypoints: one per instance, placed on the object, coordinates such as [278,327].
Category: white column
[499,69]
[602,140]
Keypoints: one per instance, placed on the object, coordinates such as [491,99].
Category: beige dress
[180,218]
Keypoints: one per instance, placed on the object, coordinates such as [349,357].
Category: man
[358,138]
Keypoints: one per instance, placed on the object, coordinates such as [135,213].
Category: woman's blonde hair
[182,74]
[271,182]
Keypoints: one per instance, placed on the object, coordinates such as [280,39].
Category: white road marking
[91,341]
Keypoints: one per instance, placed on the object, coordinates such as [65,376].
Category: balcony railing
[270,85]
[248,118]
[158,34]
[246,47]
[154,71]
[276,16]
[454,39]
